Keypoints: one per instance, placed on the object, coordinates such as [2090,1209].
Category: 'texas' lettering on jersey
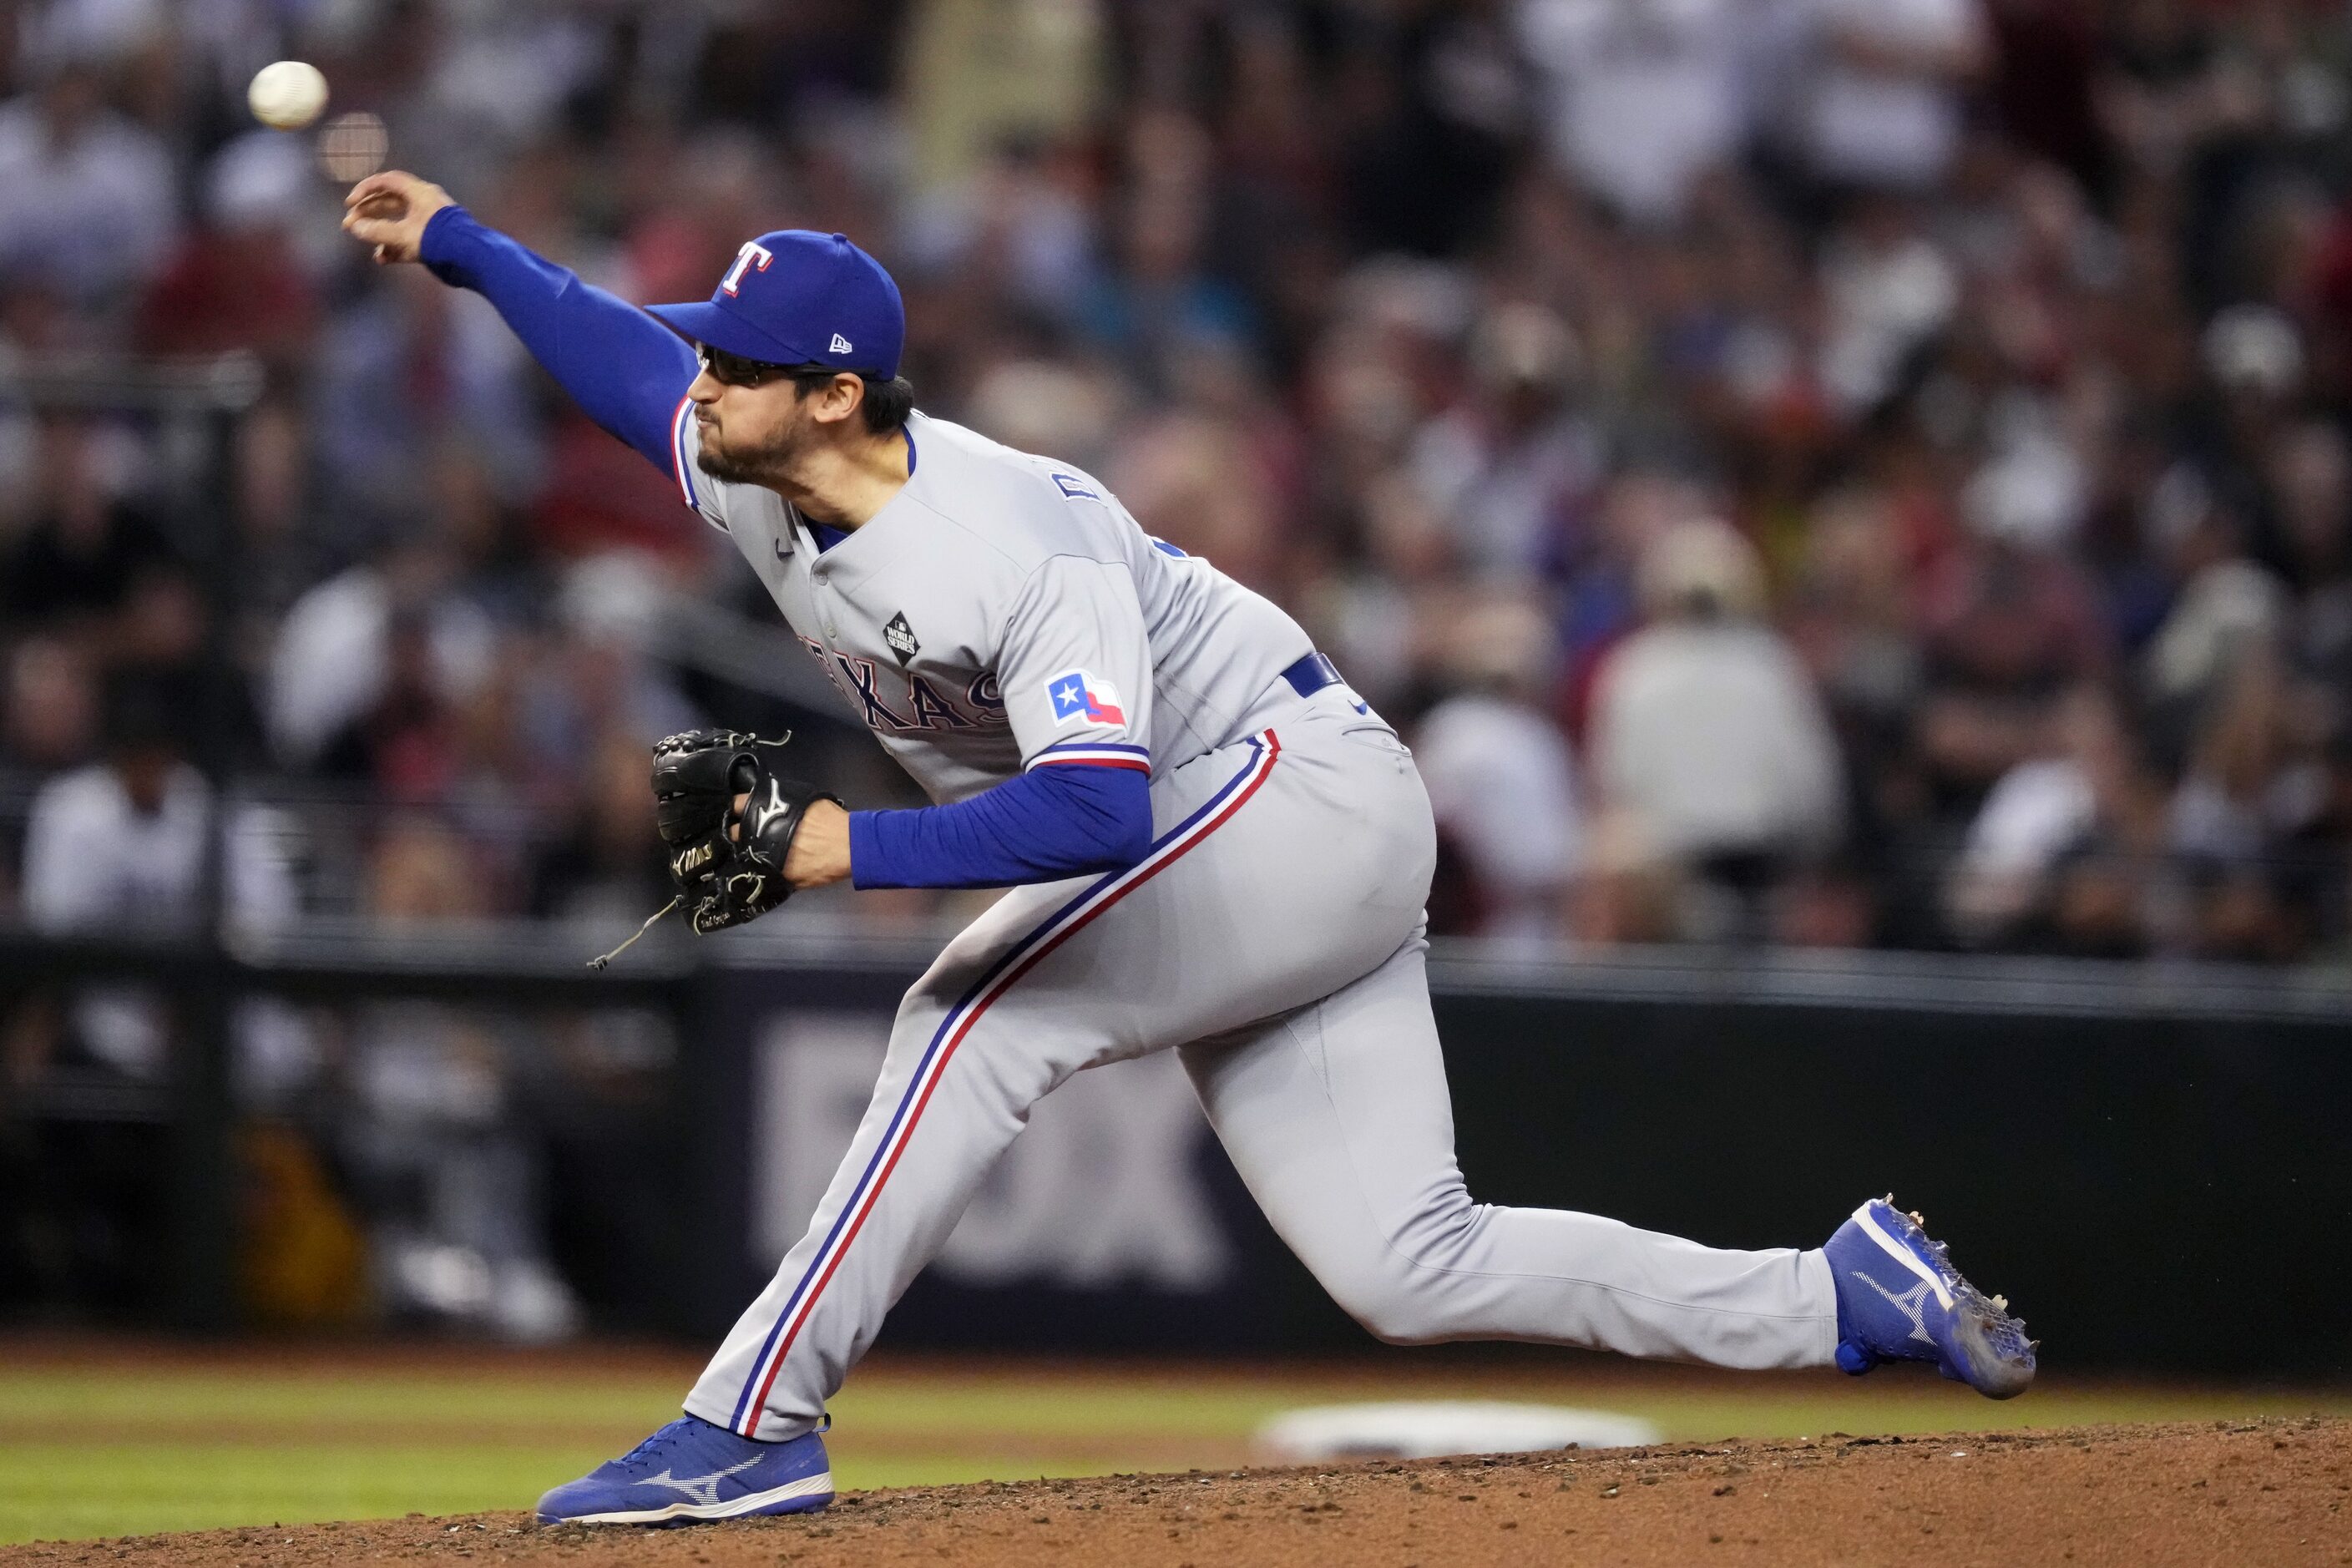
[876,688]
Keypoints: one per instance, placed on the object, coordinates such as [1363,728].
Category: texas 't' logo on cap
[799,297]
[753,254]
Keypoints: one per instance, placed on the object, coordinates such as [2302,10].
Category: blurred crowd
[1827,472]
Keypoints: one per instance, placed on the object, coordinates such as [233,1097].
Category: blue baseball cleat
[693,1471]
[1899,1298]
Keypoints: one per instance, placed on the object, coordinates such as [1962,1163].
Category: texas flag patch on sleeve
[1077,695]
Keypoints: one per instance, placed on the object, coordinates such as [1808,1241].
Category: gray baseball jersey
[1003,611]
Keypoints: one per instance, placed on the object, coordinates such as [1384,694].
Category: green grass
[57,1491]
[112,1443]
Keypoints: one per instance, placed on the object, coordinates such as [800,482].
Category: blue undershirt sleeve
[1049,822]
[625,369]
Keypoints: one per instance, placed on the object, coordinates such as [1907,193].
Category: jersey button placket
[825,611]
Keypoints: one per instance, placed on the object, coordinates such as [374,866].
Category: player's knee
[927,1001]
[1389,1302]
[1397,1319]
[1410,1292]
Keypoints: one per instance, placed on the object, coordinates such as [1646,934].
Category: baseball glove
[729,866]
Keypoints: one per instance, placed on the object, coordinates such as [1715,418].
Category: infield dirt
[2270,1492]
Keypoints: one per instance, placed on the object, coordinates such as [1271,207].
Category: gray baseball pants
[1274,937]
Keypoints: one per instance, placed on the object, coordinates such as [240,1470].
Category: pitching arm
[626,369]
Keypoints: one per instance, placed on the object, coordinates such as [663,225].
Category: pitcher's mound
[2274,1492]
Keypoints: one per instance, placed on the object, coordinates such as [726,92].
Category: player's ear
[838,399]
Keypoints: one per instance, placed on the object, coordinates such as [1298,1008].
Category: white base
[1425,1429]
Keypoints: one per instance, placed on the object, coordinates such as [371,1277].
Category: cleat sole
[806,1495]
[1989,1349]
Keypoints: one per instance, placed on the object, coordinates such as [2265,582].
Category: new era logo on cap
[796,297]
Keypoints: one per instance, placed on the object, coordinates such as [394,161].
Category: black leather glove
[729,865]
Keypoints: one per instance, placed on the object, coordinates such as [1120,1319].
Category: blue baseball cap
[797,297]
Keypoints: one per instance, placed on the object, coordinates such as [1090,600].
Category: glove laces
[600,963]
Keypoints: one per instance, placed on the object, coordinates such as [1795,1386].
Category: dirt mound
[2268,1492]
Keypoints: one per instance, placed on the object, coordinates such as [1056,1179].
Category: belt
[1312,674]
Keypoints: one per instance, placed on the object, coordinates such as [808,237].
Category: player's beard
[729,464]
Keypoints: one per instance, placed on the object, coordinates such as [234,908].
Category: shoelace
[661,1438]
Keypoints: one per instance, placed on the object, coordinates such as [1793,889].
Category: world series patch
[901,637]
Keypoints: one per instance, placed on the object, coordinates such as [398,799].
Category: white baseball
[287,95]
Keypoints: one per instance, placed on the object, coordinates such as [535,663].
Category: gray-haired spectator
[1708,735]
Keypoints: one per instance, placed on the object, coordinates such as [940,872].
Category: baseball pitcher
[1213,846]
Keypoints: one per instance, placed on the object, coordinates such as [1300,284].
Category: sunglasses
[734,370]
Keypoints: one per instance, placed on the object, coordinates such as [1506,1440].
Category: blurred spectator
[1384,619]
[121,843]
[980,76]
[1887,288]
[1020,226]
[335,657]
[52,720]
[94,568]
[1644,96]
[1177,473]
[120,847]
[2222,603]
[402,743]
[1500,777]
[237,282]
[73,566]
[1508,468]
[2162,86]
[1163,295]
[1049,405]
[416,366]
[1709,741]
[2310,482]
[1883,107]
[608,865]
[87,199]
[2068,850]
[2012,334]
[2252,788]
[440,1145]
[1853,615]
[2015,623]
